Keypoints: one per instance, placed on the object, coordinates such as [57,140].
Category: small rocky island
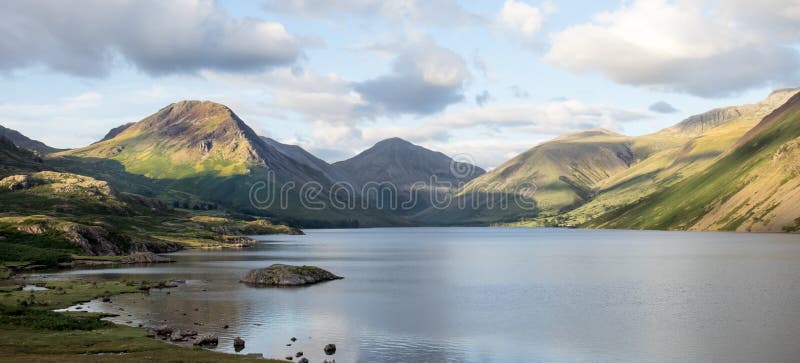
[287,275]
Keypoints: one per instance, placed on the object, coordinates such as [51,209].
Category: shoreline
[107,341]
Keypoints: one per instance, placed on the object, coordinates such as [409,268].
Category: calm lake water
[491,295]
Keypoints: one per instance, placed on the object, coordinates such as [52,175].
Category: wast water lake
[489,295]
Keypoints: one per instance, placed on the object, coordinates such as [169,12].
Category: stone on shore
[164,330]
[329,349]
[238,343]
[286,275]
[207,340]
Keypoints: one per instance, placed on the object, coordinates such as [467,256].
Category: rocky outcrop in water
[287,275]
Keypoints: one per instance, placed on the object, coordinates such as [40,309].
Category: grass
[31,332]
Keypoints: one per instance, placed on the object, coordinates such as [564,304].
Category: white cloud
[86,37]
[521,19]
[327,106]
[427,12]
[685,46]
[555,117]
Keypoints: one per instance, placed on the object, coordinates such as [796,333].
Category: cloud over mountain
[425,78]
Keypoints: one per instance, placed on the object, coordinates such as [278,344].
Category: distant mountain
[303,157]
[415,173]
[564,171]
[15,160]
[25,142]
[752,186]
[674,154]
[403,163]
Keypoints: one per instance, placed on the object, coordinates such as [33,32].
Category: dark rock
[225,326]
[207,340]
[298,354]
[329,349]
[106,299]
[302,360]
[238,344]
[289,358]
[286,275]
[293,339]
[164,330]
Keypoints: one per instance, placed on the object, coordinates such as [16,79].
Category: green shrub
[23,316]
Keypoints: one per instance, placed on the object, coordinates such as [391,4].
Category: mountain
[183,139]
[25,142]
[404,178]
[674,154]
[14,160]
[563,172]
[400,162]
[753,186]
[201,154]
[303,157]
[194,139]
[116,131]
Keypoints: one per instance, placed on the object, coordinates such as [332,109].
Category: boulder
[207,340]
[287,275]
[302,360]
[164,330]
[329,349]
[298,354]
[238,343]
[177,337]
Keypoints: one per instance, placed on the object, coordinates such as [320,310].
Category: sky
[479,80]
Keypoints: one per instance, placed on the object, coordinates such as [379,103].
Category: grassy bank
[31,332]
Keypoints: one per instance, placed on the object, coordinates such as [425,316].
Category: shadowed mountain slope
[26,142]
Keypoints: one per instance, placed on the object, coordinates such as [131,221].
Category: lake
[490,295]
